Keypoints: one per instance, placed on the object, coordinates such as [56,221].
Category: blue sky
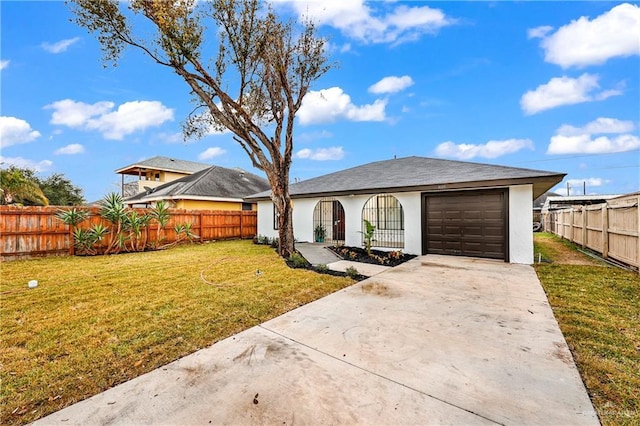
[542,85]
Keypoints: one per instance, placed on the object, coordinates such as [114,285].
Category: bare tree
[253,84]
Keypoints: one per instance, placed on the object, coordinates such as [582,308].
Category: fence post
[241,219]
[605,230]
[571,225]
[638,234]
[584,226]
[72,246]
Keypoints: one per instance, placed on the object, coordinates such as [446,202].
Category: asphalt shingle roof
[402,174]
[213,181]
[166,163]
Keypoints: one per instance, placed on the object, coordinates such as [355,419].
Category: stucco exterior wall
[208,205]
[521,224]
[303,219]
[265,219]
[520,232]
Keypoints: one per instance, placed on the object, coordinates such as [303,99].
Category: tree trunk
[284,209]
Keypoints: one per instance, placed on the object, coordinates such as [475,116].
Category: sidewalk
[318,254]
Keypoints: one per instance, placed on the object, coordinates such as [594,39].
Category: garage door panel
[472,223]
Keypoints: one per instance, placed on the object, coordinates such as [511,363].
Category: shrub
[262,239]
[322,268]
[352,272]
[298,261]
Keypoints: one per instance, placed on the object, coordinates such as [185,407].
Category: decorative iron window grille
[386,214]
[329,214]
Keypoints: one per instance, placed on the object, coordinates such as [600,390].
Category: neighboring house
[214,188]
[420,205]
[563,202]
[156,171]
[539,202]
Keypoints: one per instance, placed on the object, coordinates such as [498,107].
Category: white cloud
[368,24]
[585,144]
[600,125]
[576,186]
[70,113]
[206,125]
[4,63]
[539,32]
[491,149]
[588,181]
[580,140]
[345,48]
[328,105]
[391,84]
[210,153]
[321,154]
[586,42]
[127,119]
[60,46]
[74,148]
[23,163]
[564,91]
[14,131]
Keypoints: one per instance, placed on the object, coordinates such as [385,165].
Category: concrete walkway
[318,254]
[437,340]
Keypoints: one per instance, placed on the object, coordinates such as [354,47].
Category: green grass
[95,322]
[598,309]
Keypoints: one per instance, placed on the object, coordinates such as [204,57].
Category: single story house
[155,171]
[214,188]
[560,202]
[420,205]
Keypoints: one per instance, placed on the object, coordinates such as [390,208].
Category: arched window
[386,214]
[329,216]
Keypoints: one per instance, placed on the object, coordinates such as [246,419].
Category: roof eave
[540,185]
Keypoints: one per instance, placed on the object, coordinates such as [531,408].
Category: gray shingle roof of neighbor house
[419,174]
[213,182]
[163,163]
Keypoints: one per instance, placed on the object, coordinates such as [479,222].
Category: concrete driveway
[437,340]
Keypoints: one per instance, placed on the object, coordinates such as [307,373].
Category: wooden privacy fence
[611,229]
[35,231]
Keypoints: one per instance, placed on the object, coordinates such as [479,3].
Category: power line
[615,167]
[574,156]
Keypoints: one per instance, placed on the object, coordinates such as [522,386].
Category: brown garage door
[469,223]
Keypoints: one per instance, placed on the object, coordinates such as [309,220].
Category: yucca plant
[183,232]
[72,217]
[83,241]
[160,213]
[112,208]
[134,223]
[98,232]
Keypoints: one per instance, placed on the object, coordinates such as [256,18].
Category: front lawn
[598,309]
[95,322]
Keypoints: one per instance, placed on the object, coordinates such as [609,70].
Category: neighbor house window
[247,206]
[276,215]
[386,214]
